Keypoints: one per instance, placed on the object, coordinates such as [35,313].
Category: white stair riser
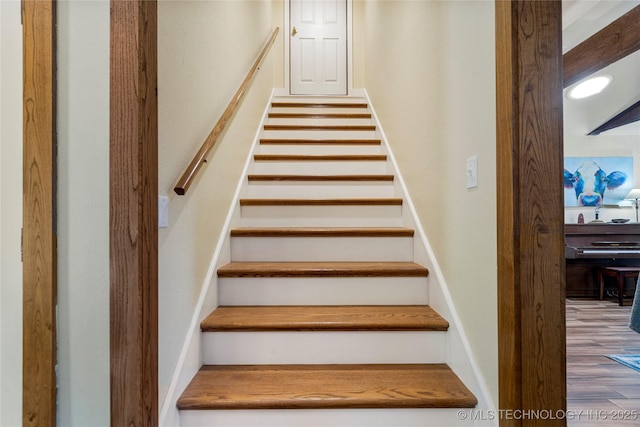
[302,347]
[314,134]
[323,291]
[319,189]
[320,121]
[322,216]
[299,249]
[328,148]
[320,100]
[313,167]
[396,417]
[323,110]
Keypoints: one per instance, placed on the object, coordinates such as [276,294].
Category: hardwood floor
[604,390]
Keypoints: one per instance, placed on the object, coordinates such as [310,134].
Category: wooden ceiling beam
[614,42]
[630,115]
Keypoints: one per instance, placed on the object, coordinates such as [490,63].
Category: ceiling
[580,20]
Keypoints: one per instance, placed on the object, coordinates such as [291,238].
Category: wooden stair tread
[318,105]
[321,127]
[321,157]
[322,232]
[323,202]
[326,387]
[322,269]
[273,141]
[378,177]
[324,318]
[319,115]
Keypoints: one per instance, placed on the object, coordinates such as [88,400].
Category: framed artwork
[595,181]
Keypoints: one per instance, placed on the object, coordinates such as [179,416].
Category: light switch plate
[163,212]
[472,172]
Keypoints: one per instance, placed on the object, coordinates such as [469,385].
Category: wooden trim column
[39,231]
[134,213]
[531,273]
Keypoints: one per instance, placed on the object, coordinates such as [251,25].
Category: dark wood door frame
[38,204]
[530,215]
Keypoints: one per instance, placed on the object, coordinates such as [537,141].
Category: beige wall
[10,213]
[359,33]
[429,70]
[277,52]
[205,50]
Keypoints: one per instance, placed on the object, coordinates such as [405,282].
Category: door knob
[294,32]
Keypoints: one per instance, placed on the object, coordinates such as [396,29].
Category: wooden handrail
[201,157]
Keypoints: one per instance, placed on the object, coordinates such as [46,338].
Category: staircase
[322,308]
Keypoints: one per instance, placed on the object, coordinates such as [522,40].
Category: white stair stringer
[313,347]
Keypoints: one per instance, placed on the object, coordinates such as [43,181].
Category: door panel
[330,56]
[318,53]
[307,60]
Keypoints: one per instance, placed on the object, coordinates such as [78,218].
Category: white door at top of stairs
[318,47]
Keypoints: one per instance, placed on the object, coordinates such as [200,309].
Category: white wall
[205,50]
[83,213]
[10,214]
[429,69]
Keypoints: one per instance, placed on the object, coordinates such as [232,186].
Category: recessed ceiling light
[590,87]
